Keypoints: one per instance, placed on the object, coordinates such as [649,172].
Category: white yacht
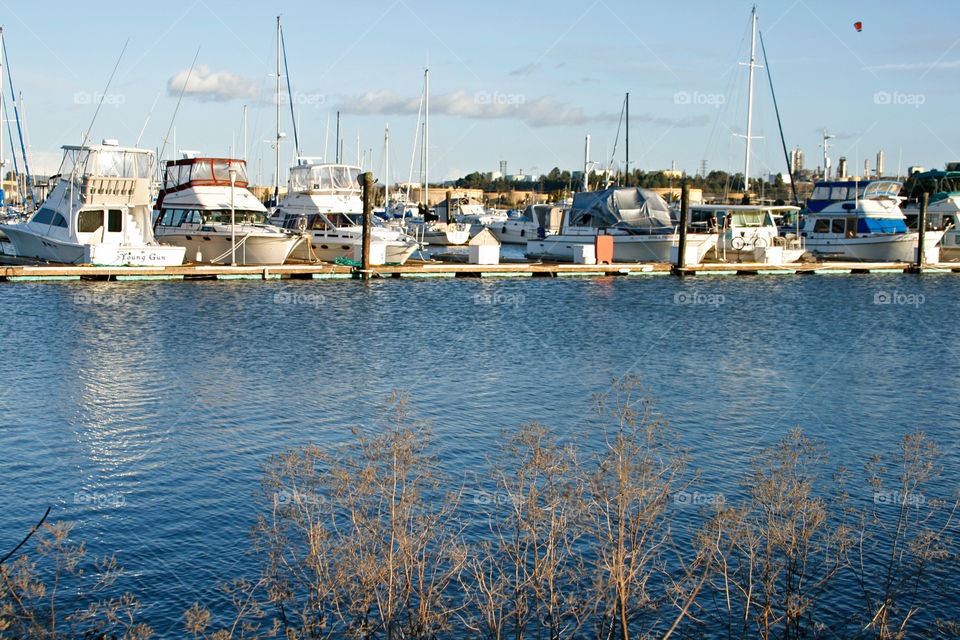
[537,222]
[324,200]
[428,230]
[638,219]
[215,217]
[852,221]
[470,212]
[745,230]
[943,210]
[98,212]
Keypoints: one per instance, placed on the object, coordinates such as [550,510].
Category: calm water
[142,411]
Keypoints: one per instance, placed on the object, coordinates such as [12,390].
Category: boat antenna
[86,135]
[783,142]
[177,108]
[149,113]
[286,71]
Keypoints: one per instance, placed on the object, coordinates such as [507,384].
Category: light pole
[233,217]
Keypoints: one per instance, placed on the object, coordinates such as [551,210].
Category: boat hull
[328,249]
[638,248]
[215,248]
[899,247]
[31,245]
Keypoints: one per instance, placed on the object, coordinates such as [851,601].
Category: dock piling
[366,181]
[681,266]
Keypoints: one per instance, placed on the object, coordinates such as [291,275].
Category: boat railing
[111,190]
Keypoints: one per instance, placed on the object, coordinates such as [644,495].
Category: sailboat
[429,228]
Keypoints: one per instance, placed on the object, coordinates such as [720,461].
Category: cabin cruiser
[97,213]
[638,219]
[943,209]
[537,222]
[857,221]
[204,206]
[325,201]
[746,231]
[470,212]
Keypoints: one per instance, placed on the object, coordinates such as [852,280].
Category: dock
[437,269]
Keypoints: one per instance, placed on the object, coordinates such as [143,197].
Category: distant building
[915,169]
[796,161]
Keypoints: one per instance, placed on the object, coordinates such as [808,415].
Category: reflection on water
[143,410]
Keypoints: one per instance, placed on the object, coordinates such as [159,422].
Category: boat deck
[13,272]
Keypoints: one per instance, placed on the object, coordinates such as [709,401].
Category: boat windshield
[107,163]
[222,216]
[838,192]
[751,219]
[204,171]
[324,177]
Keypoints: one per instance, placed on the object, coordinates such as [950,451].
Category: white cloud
[538,112]
[914,66]
[216,86]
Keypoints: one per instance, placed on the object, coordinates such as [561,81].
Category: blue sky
[521,82]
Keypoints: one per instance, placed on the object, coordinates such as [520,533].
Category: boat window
[747,218]
[820,193]
[202,171]
[821,226]
[317,222]
[48,216]
[114,220]
[193,217]
[89,220]
[838,226]
[838,193]
[110,164]
[221,170]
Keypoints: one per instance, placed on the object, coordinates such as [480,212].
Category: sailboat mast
[386,170]
[426,139]
[627,170]
[3,195]
[586,164]
[753,59]
[276,179]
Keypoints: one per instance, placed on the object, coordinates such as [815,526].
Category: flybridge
[193,172]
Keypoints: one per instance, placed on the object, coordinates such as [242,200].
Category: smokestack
[879,164]
[842,168]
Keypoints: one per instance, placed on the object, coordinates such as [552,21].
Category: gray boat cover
[629,208]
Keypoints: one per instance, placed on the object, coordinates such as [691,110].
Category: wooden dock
[435,269]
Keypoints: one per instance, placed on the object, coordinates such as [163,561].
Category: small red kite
[858,26]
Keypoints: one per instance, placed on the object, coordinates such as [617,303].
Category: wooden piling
[684,215]
[366,180]
[449,207]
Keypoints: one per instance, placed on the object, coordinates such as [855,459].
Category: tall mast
[586,164]
[276,179]
[386,162]
[3,196]
[426,139]
[753,59]
[244,133]
[337,141]
[626,177]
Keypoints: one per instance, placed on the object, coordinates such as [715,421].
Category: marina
[427,323]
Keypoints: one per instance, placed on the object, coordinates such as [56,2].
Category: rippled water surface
[142,411]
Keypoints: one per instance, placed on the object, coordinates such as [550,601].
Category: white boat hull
[900,247]
[328,249]
[514,234]
[215,248]
[30,245]
[626,248]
